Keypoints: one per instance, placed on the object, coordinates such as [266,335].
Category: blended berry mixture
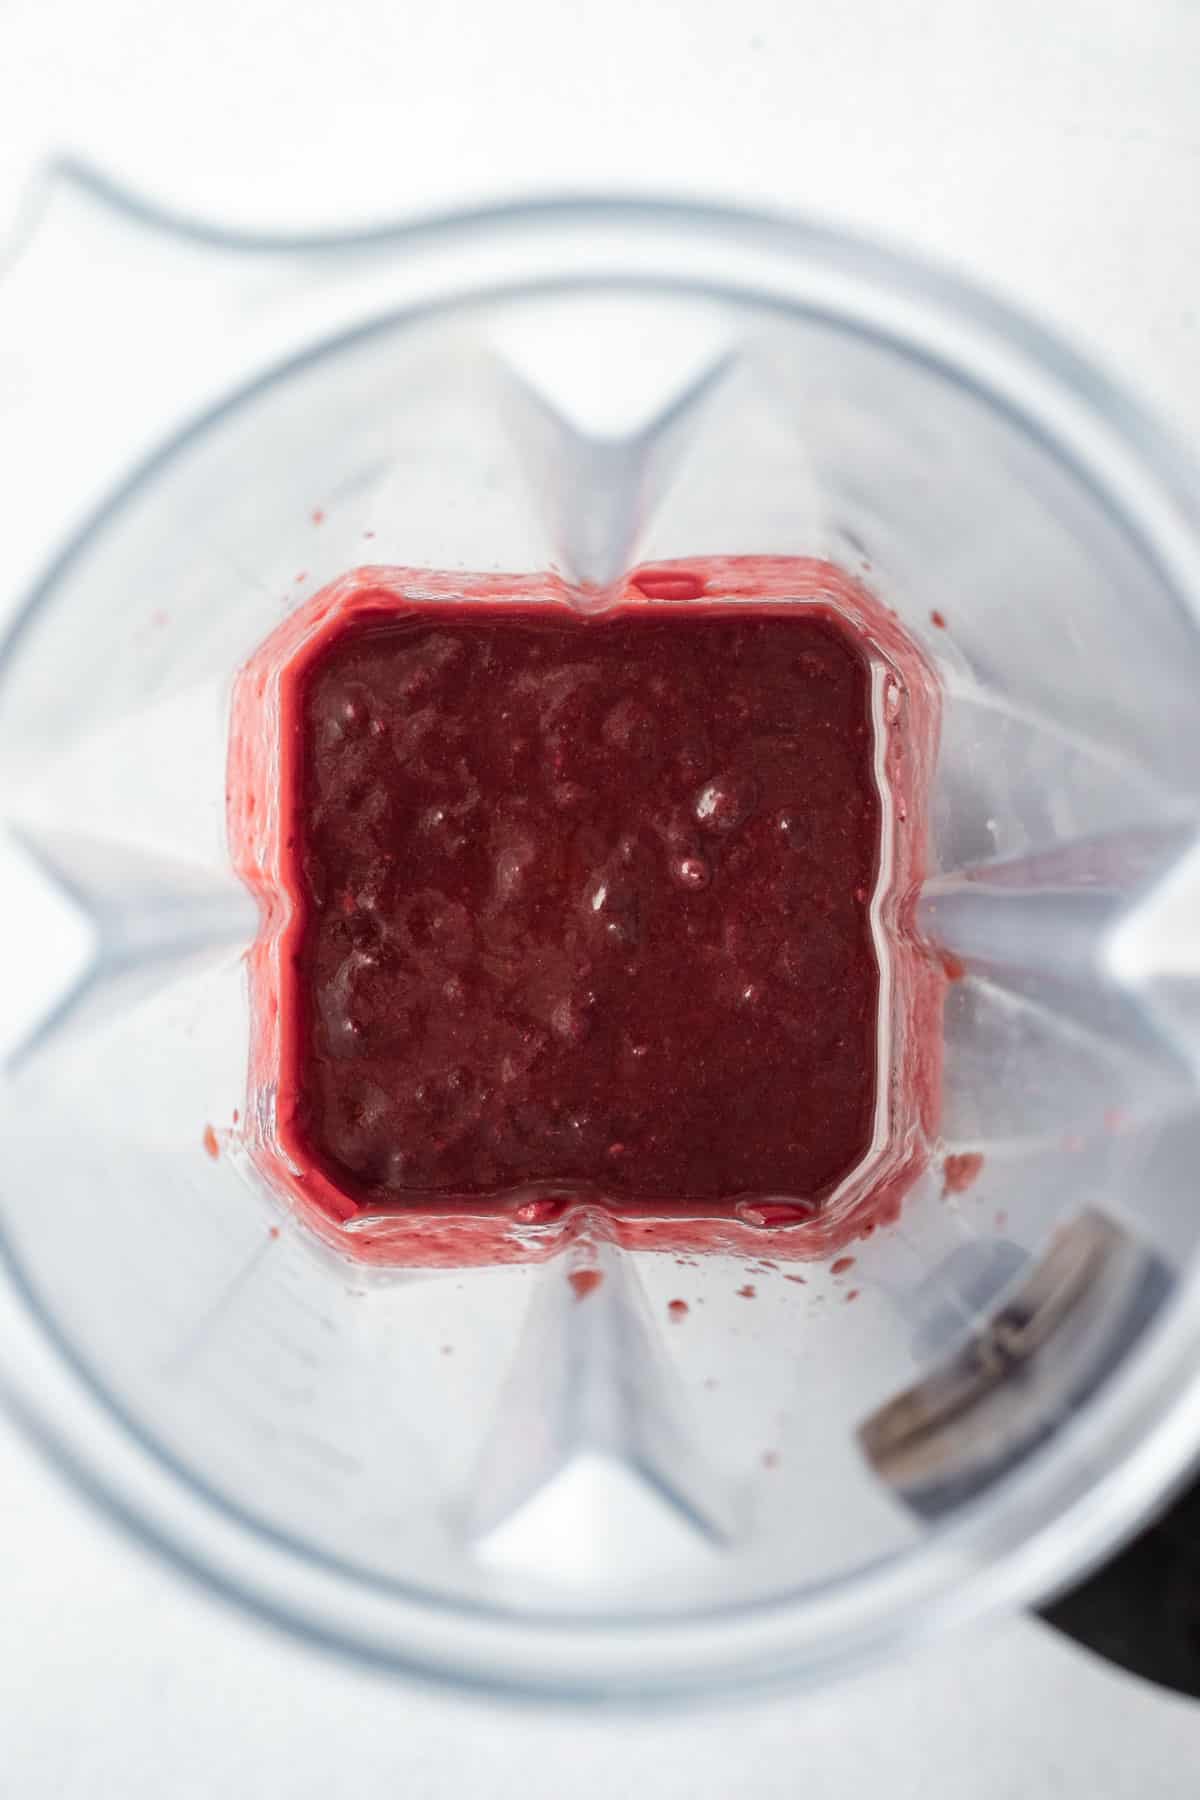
[584,903]
[609,900]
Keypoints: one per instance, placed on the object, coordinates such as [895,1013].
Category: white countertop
[1053,151]
[117,1680]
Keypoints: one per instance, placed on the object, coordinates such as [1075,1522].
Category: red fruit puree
[590,906]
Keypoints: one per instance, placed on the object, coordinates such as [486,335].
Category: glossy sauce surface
[584,904]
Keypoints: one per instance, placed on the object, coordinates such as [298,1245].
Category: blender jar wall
[315,1401]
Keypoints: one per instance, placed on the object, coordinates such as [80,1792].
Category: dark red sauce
[585,901]
[567,904]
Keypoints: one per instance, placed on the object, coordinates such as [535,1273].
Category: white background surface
[1052,148]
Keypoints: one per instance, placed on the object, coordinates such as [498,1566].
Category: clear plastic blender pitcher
[464,1471]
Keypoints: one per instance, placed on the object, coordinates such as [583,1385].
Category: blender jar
[463,1470]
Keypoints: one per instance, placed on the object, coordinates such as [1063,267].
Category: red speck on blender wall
[770,1213]
[960,1170]
[540,1212]
[841,1265]
[585,1281]
[747,1292]
[668,584]
[211,1146]
[677,1309]
[938,619]
[852,1295]
[1115,1119]
[781,1214]
[273,1231]
[301,575]
[318,515]
[236,1115]
[368,534]
[953,967]
[798,1279]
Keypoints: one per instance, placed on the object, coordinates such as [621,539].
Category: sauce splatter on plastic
[668,584]
[677,1309]
[769,1213]
[585,1281]
[960,1170]
[938,619]
[747,1292]
[540,1212]
[841,1265]
[211,1146]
